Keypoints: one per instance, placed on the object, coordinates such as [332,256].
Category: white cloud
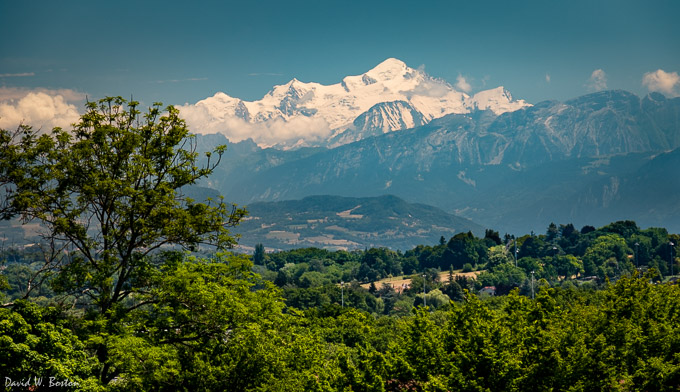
[9,93]
[429,87]
[664,82]
[597,81]
[272,132]
[39,108]
[17,75]
[462,84]
[547,77]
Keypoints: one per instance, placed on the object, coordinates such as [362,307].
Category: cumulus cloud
[39,108]
[667,83]
[597,81]
[428,87]
[277,131]
[10,93]
[462,84]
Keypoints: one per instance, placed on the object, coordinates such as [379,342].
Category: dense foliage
[212,330]
[562,256]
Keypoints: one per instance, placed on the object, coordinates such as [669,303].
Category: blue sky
[178,52]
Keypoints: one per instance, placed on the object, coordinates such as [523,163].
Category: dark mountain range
[348,223]
[582,161]
[600,124]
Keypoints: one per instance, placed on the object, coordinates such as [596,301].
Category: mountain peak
[499,91]
[388,69]
[391,63]
[222,97]
[294,88]
[498,100]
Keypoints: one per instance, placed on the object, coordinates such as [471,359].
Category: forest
[136,287]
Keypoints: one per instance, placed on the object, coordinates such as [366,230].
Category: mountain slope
[348,223]
[382,118]
[651,193]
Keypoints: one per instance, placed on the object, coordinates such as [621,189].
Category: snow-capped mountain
[389,97]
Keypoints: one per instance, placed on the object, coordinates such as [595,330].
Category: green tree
[35,342]
[377,263]
[568,265]
[493,237]
[552,232]
[623,228]
[211,331]
[499,255]
[532,247]
[434,299]
[112,191]
[607,256]
[463,248]
[504,276]
[258,255]
[312,279]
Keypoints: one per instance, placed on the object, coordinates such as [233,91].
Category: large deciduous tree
[111,192]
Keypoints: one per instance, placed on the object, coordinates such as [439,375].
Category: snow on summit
[299,113]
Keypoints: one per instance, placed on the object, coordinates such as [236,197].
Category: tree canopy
[108,195]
